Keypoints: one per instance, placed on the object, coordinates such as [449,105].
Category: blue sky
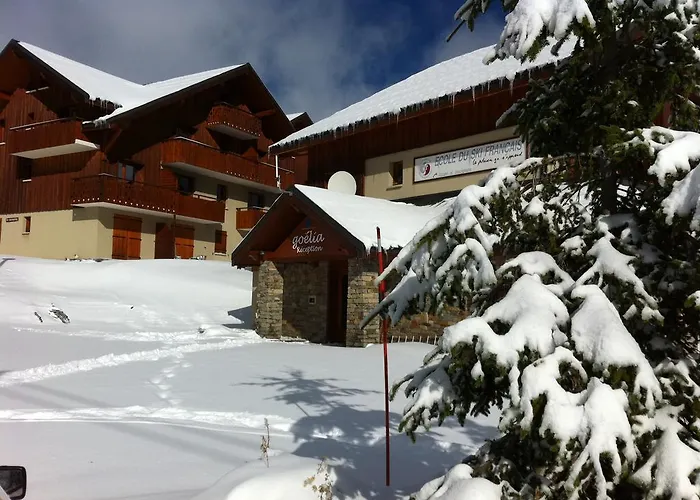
[314,55]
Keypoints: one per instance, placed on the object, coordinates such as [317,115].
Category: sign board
[311,240]
[464,161]
[11,219]
[308,241]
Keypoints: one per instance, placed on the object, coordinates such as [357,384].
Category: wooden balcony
[202,159]
[234,122]
[247,217]
[51,138]
[106,190]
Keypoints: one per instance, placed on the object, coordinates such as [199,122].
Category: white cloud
[314,54]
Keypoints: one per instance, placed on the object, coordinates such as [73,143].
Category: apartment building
[96,166]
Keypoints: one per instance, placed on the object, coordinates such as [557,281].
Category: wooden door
[337,301]
[184,241]
[126,238]
[165,244]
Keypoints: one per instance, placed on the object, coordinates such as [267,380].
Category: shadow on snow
[353,437]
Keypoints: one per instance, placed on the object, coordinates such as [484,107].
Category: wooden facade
[54,155]
[466,115]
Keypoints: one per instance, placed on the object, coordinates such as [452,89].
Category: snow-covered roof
[293,116]
[105,87]
[360,216]
[448,78]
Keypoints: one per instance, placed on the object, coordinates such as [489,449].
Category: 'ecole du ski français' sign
[308,242]
[467,160]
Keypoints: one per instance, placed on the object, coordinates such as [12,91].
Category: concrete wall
[55,235]
[378,181]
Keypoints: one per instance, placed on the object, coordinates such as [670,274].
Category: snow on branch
[534,315]
[529,20]
[589,425]
[603,340]
[459,483]
[668,472]
[451,252]
[675,150]
[675,153]
[611,262]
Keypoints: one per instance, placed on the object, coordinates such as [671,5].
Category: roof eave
[17,46]
[407,112]
[174,96]
[242,246]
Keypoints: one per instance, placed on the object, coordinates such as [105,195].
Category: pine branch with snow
[580,269]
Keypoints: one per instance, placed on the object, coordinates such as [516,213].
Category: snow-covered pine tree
[580,268]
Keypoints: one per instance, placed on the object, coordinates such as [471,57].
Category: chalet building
[314,256]
[408,147]
[93,165]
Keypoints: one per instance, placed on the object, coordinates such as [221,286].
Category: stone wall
[362,298]
[267,299]
[425,327]
[305,301]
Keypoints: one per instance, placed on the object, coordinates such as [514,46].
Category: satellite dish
[342,182]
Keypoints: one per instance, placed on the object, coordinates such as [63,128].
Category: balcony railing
[182,152]
[234,122]
[50,138]
[109,189]
[247,217]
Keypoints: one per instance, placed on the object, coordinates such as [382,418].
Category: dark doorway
[165,244]
[337,301]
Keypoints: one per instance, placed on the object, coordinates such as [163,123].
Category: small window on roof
[396,172]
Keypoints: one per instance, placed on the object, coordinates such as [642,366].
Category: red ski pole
[385,329]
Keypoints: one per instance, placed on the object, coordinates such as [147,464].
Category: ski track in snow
[141,414]
[111,360]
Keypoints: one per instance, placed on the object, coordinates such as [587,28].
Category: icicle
[473,93]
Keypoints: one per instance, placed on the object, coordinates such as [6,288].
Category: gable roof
[458,75]
[360,216]
[354,218]
[102,86]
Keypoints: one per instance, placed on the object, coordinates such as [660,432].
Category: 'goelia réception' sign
[467,160]
[308,242]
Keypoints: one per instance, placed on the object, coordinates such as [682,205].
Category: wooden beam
[113,139]
[4,96]
[267,112]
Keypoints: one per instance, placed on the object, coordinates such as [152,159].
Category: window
[24,168]
[27,225]
[396,171]
[256,200]
[185,184]
[220,242]
[126,171]
[221,192]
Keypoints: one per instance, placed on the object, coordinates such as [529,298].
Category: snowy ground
[156,388]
